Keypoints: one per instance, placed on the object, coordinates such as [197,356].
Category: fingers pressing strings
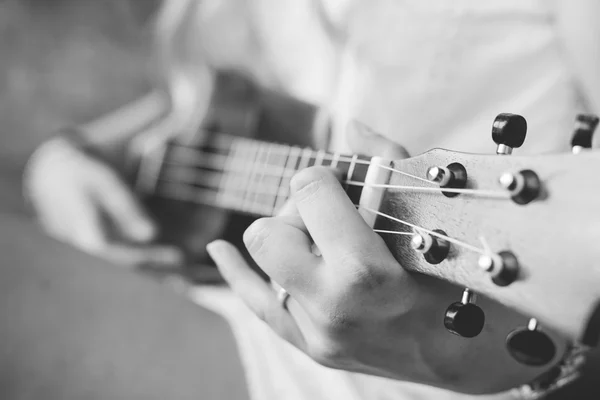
[282,247]
[208,195]
[330,216]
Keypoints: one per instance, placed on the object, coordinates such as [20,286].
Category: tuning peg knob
[585,126]
[508,132]
[434,249]
[530,346]
[464,318]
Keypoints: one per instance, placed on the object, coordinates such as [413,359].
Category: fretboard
[244,175]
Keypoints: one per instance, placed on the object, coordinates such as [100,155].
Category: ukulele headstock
[520,230]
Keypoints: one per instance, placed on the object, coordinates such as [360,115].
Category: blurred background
[65,62]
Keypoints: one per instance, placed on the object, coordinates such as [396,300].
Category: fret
[205,179]
[264,190]
[171,190]
[247,175]
[284,154]
[194,158]
[230,186]
[357,172]
[233,179]
[221,188]
[292,159]
[305,159]
[351,167]
[319,158]
[254,152]
[335,160]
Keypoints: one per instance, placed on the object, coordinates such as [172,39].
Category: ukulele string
[193,197]
[428,231]
[194,155]
[199,154]
[476,192]
[201,176]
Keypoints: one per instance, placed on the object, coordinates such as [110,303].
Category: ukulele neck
[240,174]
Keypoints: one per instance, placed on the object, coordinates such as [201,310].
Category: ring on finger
[282,297]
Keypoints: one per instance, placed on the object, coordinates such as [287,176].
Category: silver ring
[282,297]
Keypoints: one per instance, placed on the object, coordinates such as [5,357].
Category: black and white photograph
[299,199]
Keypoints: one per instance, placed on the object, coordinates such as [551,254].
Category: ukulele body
[241,109]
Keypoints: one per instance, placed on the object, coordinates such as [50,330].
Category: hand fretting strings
[254,177]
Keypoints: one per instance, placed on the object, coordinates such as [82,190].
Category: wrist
[564,373]
[479,365]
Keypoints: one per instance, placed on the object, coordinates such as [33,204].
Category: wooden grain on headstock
[555,238]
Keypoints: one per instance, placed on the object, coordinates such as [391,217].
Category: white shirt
[425,73]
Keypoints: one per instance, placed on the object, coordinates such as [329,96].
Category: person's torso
[425,73]
[436,73]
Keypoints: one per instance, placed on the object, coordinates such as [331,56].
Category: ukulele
[243,111]
[518,230]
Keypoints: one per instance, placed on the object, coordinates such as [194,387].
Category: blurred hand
[82,201]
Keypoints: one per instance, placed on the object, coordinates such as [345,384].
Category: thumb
[363,139]
[123,208]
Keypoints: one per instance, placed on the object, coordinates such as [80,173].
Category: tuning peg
[464,318]
[530,346]
[502,267]
[434,249]
[585,126]
[508,132]
[453,176]
[523,186]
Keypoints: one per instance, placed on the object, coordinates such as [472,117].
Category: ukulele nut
[523,186]
[453,176]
